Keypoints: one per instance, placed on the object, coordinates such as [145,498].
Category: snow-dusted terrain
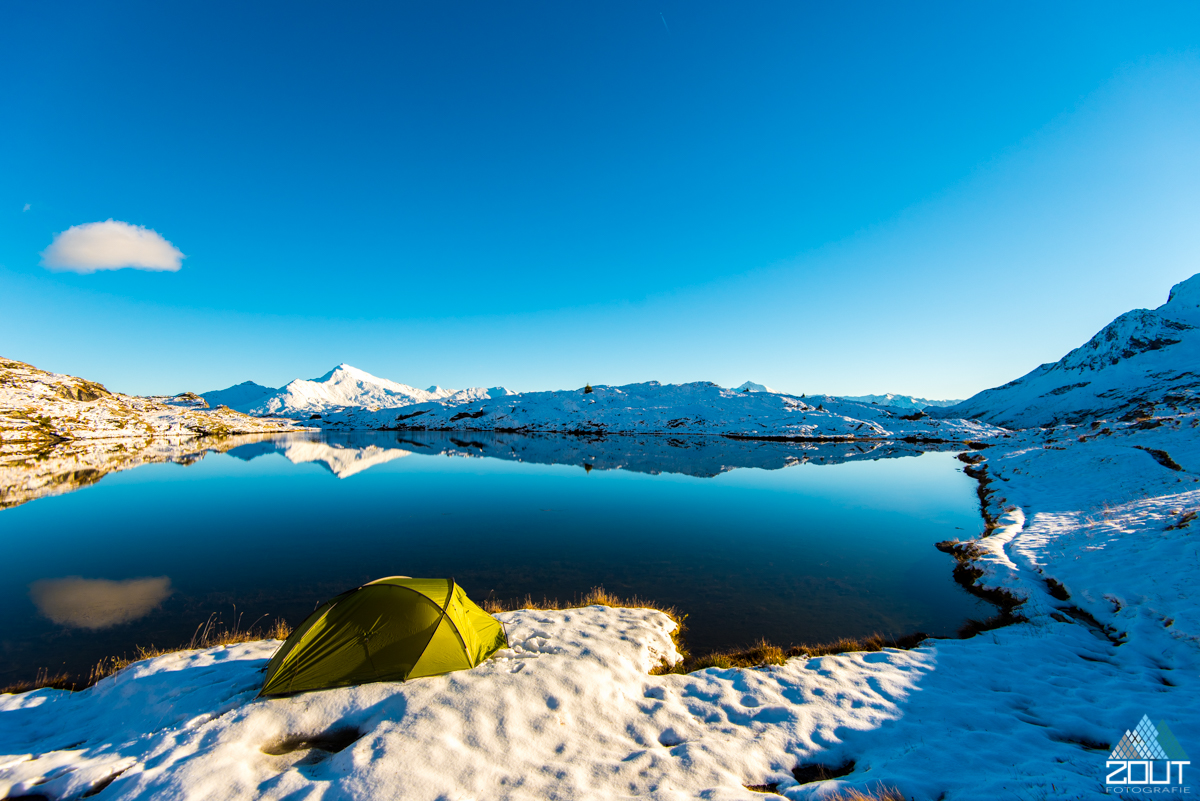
[700,407]
[41,407]
[351,399]
[59,433]
[1028,711]
[1144,357]
[1095,535]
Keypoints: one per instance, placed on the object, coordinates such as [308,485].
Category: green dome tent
[393,629]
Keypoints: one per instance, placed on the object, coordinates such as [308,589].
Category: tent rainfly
[393,629]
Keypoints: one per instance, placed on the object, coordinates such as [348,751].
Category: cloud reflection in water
[98,603]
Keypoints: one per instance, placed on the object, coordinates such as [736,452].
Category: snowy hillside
[37,406]
[653,408]
[899,401]
[1141,359]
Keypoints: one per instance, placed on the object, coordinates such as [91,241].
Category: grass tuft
[208,634]
[764,653]
[967,574]
[58,681]
[879,794]
[593,597]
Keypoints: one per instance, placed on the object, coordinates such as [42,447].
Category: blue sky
[929,199]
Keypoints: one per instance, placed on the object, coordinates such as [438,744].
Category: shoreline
[761,653]
[1080,530]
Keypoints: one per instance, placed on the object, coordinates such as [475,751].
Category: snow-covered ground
[1027,711]
[1096,535]
[570,711]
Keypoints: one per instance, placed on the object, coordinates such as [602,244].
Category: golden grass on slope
[764,653]
[208,634]
[58,681]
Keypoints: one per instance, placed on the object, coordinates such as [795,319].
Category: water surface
[750,539]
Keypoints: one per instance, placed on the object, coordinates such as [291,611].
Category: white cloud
[110,245]
[26,207]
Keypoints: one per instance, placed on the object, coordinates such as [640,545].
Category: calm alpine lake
[794,543]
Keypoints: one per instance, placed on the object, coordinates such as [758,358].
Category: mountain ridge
[1143,358]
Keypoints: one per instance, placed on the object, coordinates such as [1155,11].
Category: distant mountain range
[342,387]
[347,398]
[346,386]
[899,401]
[1142,359]
[894,401]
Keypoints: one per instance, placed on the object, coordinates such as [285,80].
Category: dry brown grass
[208,634]
[764,653]
[594,596]
[879,794]
[58,681]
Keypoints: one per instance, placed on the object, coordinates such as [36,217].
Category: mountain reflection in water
[839,544]
[347,453]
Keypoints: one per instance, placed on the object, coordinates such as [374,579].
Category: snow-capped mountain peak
[750,386]
[1184,301]
[1143,357]
[344,385]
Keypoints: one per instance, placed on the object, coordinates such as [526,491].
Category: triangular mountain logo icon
[1147,741]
